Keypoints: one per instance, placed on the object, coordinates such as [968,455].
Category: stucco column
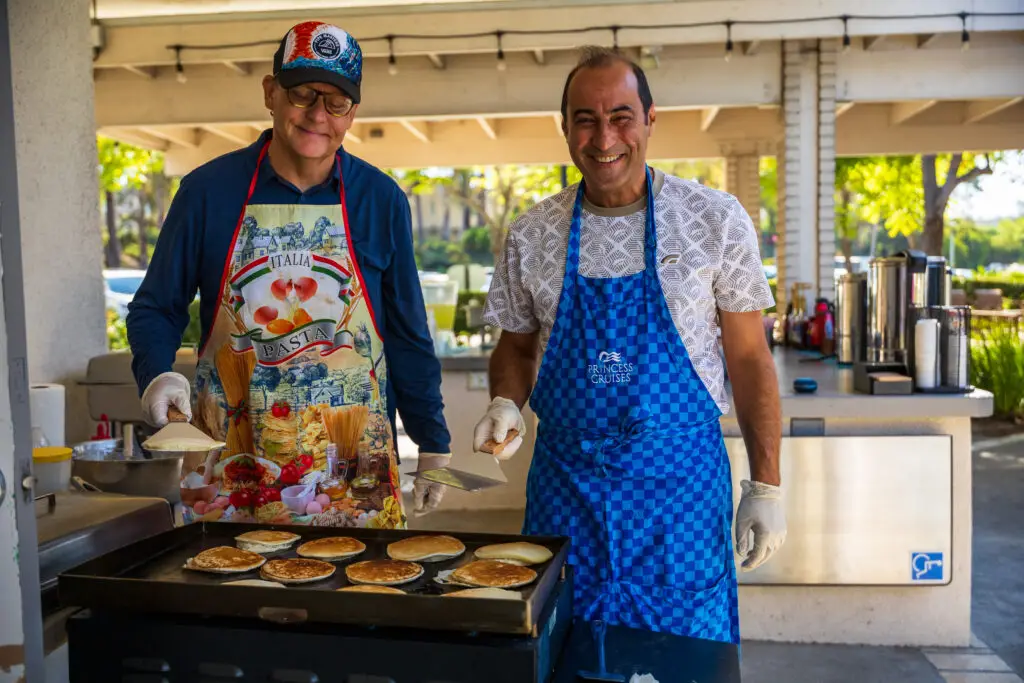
[55,142]
[808,157]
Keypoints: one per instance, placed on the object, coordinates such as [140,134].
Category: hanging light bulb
[728,40]
[965,37]
[502,64]
[615,38]
[392,62]
[178,67]
[846,34]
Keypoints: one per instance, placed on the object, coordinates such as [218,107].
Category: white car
[119,287]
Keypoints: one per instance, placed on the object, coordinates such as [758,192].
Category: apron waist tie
[603,452]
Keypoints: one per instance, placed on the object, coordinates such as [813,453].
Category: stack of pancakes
[280,439]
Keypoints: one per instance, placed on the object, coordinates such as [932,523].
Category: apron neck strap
[259,162]
[572,257]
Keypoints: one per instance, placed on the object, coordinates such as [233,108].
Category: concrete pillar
[743,180]
[55,139]
[808,157]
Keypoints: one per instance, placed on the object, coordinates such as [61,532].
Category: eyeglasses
[303,97]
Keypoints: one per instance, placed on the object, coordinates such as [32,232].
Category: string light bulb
[728,40]
[846,34]
[392,62]
[965,37]
[179,67]
[502,64]
[615,38]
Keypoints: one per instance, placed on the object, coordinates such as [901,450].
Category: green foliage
[438,255]
[123,167]
[476,243]
[1011,284]
[997,364]
[769,178]
[194,331]
[117,333]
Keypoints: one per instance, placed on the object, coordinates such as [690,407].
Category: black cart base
[147,648]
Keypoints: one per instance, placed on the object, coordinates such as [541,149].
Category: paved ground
[998,594]
[998,598]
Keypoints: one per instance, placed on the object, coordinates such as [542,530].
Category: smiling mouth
[607,159]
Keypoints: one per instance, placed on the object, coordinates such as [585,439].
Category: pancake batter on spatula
[610,296]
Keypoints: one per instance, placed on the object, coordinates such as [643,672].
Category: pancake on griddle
[255,583]
[521,553]
[225,560]
[266,541]
[489,593]
[493,574]
[297,570]
[383,572]
[426,548]
[368,588]
[331,548]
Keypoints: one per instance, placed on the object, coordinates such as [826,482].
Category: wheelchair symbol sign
[926,566]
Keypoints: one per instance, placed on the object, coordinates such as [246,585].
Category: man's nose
[605,137]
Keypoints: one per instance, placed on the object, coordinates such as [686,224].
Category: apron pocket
[701,614]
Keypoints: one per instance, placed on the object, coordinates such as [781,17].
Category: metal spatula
[179,429]
[474,472]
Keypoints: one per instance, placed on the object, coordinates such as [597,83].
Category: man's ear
[268,91]
[651,115]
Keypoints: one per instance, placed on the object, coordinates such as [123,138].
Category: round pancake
[331,548]
[489,593]
[266,541]
[383,572]
[255,583]
[225,560]
[493,574]
[426,548]
[367,588]
[521,553]
[297,570]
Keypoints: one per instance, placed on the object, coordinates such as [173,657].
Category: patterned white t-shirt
[708,259]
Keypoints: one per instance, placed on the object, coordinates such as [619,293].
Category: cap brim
[289,78]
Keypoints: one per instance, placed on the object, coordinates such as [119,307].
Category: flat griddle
[149,576]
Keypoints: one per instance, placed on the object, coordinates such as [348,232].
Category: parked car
[119,287]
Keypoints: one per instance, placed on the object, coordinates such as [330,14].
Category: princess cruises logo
[609,369]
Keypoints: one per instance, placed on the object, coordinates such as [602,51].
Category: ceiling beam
[539,57]
[135,137]
[843,107]
[707,118]
[147,72]
[240,68]
[239,134]
[926,40]
[355,133]
[975,112]
[490,126]
[437,60]
[419,129]
[902,112]
[872,42]
[186,137]
[750,47]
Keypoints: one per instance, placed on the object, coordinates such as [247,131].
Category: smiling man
[310,303]
[610,296]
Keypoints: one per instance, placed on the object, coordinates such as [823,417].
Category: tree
[936,194]
[122,167]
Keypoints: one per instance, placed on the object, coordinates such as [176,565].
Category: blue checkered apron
[630,460]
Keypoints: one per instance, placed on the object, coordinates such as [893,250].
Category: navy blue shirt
[196,239]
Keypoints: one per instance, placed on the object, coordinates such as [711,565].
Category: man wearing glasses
[310,306]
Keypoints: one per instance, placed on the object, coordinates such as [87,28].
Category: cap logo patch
[326,46]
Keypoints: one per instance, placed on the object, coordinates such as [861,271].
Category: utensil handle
[175,415]
[599,628]
[494,448]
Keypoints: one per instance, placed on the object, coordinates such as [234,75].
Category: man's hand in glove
[761,514]
[166,390]
[502,416]
[427,495]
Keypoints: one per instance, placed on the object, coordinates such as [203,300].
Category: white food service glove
[166,390]
[427,495]
[645,678]
[502,415]
[761,514]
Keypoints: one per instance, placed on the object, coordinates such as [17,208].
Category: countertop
[834,398]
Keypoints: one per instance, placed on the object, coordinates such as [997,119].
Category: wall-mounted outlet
[477,381]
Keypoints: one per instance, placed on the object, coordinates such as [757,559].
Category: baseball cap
[315,52]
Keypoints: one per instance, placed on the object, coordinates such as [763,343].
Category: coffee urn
[851,317]
[897,287]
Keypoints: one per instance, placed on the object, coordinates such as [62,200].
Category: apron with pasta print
[294,362]
[630,460]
